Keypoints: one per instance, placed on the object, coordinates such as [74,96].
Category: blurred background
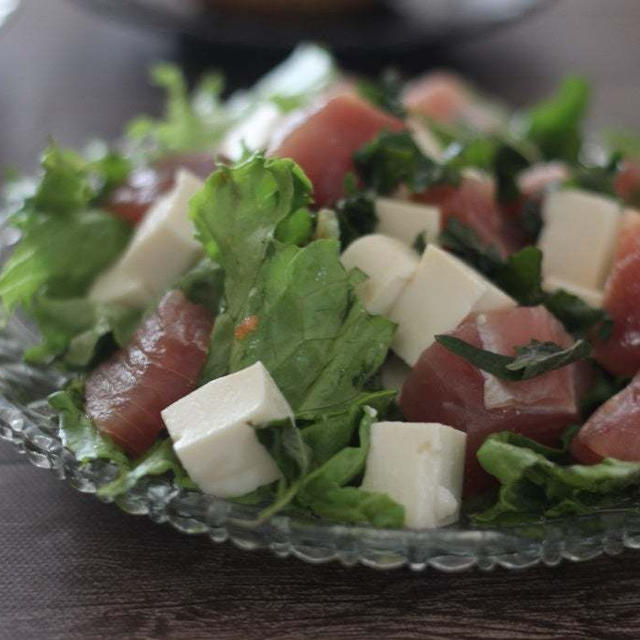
[77,69]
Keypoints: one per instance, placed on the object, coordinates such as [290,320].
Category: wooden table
[73,568]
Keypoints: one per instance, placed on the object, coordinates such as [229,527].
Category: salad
[388,302]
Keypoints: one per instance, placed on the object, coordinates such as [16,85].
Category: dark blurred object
[284,8]
[384,27]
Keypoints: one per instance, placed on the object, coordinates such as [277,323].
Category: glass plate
[27,421]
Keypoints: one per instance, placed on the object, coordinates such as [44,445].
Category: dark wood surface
[73,568]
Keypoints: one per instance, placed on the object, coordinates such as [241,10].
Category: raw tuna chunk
[161,364]
[620,354]
[473,203]
[627,183]
[440,96]
[443,387]
[324,142]
[533,181]
[446,98]
[132,199]
[613,431]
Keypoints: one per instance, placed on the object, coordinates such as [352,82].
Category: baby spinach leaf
[307,326]
[534,485]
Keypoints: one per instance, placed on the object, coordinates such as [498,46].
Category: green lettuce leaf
[203,284]
[159,460]
[292,308]
[533,483]
[77,432]
[73,329]
[191,122]
[318,466]
[80,436]
[58,216]
[555,125]
[394,159]
[48,279]
[199,119]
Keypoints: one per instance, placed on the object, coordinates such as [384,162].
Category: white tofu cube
[162,248]
[253,133]
[213,431]
[579,236]
[406,221]
[420,466]
[443,291]
[388,263]
[590,296]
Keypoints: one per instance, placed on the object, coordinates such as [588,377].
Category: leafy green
[80,436]
[48,279]
[385,92]
[603,386]
[531,360]
[465,242]
[533,484]
[317,471]
[324,490]
[309,330]
[160,459]
[577,316]
[77,432]
[199,119]
[42,261]
[356,214]
[520,275]
[508,163]
[59,216]
[623,142]
[599,178]
[73,328]
[394,159]
[190,122]
[203,284]
[555,125]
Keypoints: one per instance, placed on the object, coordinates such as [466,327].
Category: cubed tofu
[420,465]
[163,247]
[253,133]
[590,296]
[213,431]
[579,236]
[406,221]
[388,264]
[443,291]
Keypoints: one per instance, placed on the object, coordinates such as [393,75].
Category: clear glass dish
[28,423]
